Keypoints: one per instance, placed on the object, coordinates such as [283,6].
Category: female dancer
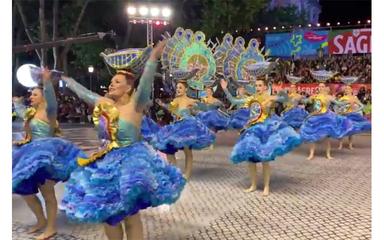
[41,160]
[352,111]
[185,133]
[114,184]
[265,137]
[241,116]
[213,118]
[322,123]
[293,114]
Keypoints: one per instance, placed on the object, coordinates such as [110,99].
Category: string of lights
[285,28]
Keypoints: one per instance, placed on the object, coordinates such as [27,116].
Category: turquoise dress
[323,123]
[239,117]
[127,174]
[213,118]
[293,114]
[41,156]
[187,131]
[265,137]
[129,178]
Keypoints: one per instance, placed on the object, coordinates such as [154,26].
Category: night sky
[345,10]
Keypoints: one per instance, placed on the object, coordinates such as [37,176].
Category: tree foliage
[229,15]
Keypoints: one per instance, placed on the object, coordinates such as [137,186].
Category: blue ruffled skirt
[265,141]
[295,117]
[239,118]
[359,124]
[329,124]
[214,120]
[149,128]
[40,160]
[188,132]
[120,184]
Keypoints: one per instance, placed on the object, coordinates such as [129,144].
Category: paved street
[318,199]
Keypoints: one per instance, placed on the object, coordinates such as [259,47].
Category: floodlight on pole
[166,12]
[149,14]
[155,11]
[143,11]
[131,10]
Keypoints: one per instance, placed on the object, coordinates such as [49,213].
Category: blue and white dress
[323,123]
[40,156]
[213,117]
[186,132]
[293,114]
[265,136]
[127,174]
[239,117]
[359,123]
[149,128]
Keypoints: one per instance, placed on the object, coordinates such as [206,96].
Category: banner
[311,88]
[298,43]
[350,41]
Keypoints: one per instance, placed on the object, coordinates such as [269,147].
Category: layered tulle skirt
[188,132]
[120,184]
[214,120]
[320,126]
[294,117]
[40,160]
[265,141]
[359,124]
[149,128]
[239,118]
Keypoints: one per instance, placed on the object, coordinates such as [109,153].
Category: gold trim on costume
[111,114]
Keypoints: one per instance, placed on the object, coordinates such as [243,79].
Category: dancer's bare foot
[266,191]
[37,227]
[329,157]
[47,234]
[351,147]
[310,157]
[187,176]
[250,189]
[340,146]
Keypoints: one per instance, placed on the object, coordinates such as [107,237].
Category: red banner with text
[349,41]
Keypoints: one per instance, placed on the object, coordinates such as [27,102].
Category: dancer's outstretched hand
[157,50]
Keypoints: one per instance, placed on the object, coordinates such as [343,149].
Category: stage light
[143,11]
[328,24]
[166,12]
[131,10]
[155,12]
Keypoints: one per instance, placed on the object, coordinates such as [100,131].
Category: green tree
[228,15]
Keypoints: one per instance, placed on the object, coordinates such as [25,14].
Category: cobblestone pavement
[318,199]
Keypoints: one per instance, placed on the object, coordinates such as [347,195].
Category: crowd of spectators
[345,65]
